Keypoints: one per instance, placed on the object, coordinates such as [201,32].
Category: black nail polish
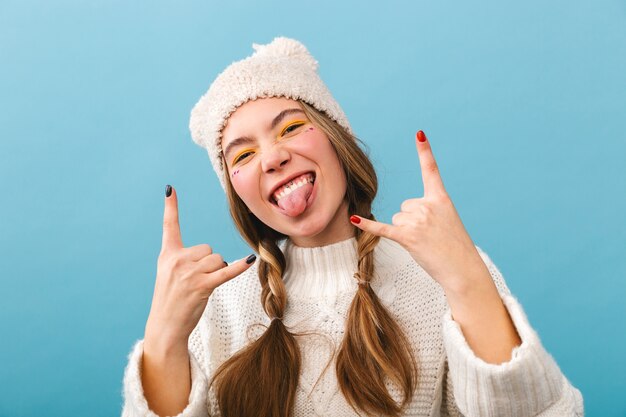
[250,258]
[225,263]
[168,190]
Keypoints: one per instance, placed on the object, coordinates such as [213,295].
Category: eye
[242,156]
[292,127]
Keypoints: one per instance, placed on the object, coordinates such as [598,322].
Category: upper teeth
[288,188]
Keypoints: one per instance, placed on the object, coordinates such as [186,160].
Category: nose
[274,158]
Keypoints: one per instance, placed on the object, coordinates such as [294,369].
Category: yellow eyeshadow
[295,122]
[241,153]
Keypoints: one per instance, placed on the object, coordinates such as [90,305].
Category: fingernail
[225,263]
[168,190]
[250,258]
[421,136]
[355,219]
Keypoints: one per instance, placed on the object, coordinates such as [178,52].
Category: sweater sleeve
[529,384]
[135,403]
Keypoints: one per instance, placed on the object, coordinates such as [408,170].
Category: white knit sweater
[320,286]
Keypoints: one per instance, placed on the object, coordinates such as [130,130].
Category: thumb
[374,227]
[229,272]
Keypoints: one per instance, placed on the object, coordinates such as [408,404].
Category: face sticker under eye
[235,173]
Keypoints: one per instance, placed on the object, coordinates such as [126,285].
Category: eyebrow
[282,115]
[237,142]
[243,140]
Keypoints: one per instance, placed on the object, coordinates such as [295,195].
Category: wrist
[162,350]
[473,280]
[160,342]
[473,294]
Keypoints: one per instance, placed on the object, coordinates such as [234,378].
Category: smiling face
[269,142]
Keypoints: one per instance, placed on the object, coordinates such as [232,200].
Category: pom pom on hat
[282,68]
[286,48]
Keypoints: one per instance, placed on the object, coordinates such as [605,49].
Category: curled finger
[198,252]
[211,263]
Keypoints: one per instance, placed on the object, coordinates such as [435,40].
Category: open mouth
[290,186]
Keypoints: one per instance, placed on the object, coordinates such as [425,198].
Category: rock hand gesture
[430,229]
[186,278]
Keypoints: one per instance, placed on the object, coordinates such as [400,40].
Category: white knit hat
[282,68]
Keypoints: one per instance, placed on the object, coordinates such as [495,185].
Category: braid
[374,346]
[262,378]
[271,267]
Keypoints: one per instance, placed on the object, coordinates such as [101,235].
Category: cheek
[312,141]
[244,184]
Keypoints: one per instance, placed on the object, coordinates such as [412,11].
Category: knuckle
[432,168]
[385,230]
[215,259]
[222,275]
[219,277]
[442,198]
[177,261]
[427,211]
[164,259]
[410,205]
[169,223]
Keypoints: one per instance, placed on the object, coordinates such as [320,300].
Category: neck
[339,229]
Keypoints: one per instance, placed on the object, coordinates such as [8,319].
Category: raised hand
[186,277]
[429,228]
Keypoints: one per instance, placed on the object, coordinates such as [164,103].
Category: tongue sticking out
[294,204]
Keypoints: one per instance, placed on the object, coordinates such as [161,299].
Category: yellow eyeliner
[241,153]
[282,132]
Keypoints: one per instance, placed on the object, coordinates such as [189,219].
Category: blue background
[524,104]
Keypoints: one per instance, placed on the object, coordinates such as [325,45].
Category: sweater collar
[320,272]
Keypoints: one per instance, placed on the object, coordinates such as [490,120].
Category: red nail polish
[355,219]
[421,136]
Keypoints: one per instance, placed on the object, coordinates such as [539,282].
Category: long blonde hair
[261,379]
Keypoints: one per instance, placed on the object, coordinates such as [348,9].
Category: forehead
[253,115]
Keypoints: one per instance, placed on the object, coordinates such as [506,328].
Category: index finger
[375,227]
[171,227]
[433,184]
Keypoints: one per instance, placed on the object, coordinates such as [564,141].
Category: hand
[186,277]
[430,229]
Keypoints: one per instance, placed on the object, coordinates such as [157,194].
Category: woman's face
[269,142]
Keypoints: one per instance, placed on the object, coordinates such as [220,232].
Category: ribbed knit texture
[452,381]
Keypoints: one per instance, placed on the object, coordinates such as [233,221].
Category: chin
[301,228]
[304,228]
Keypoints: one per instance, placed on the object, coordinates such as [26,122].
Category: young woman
[341,315]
